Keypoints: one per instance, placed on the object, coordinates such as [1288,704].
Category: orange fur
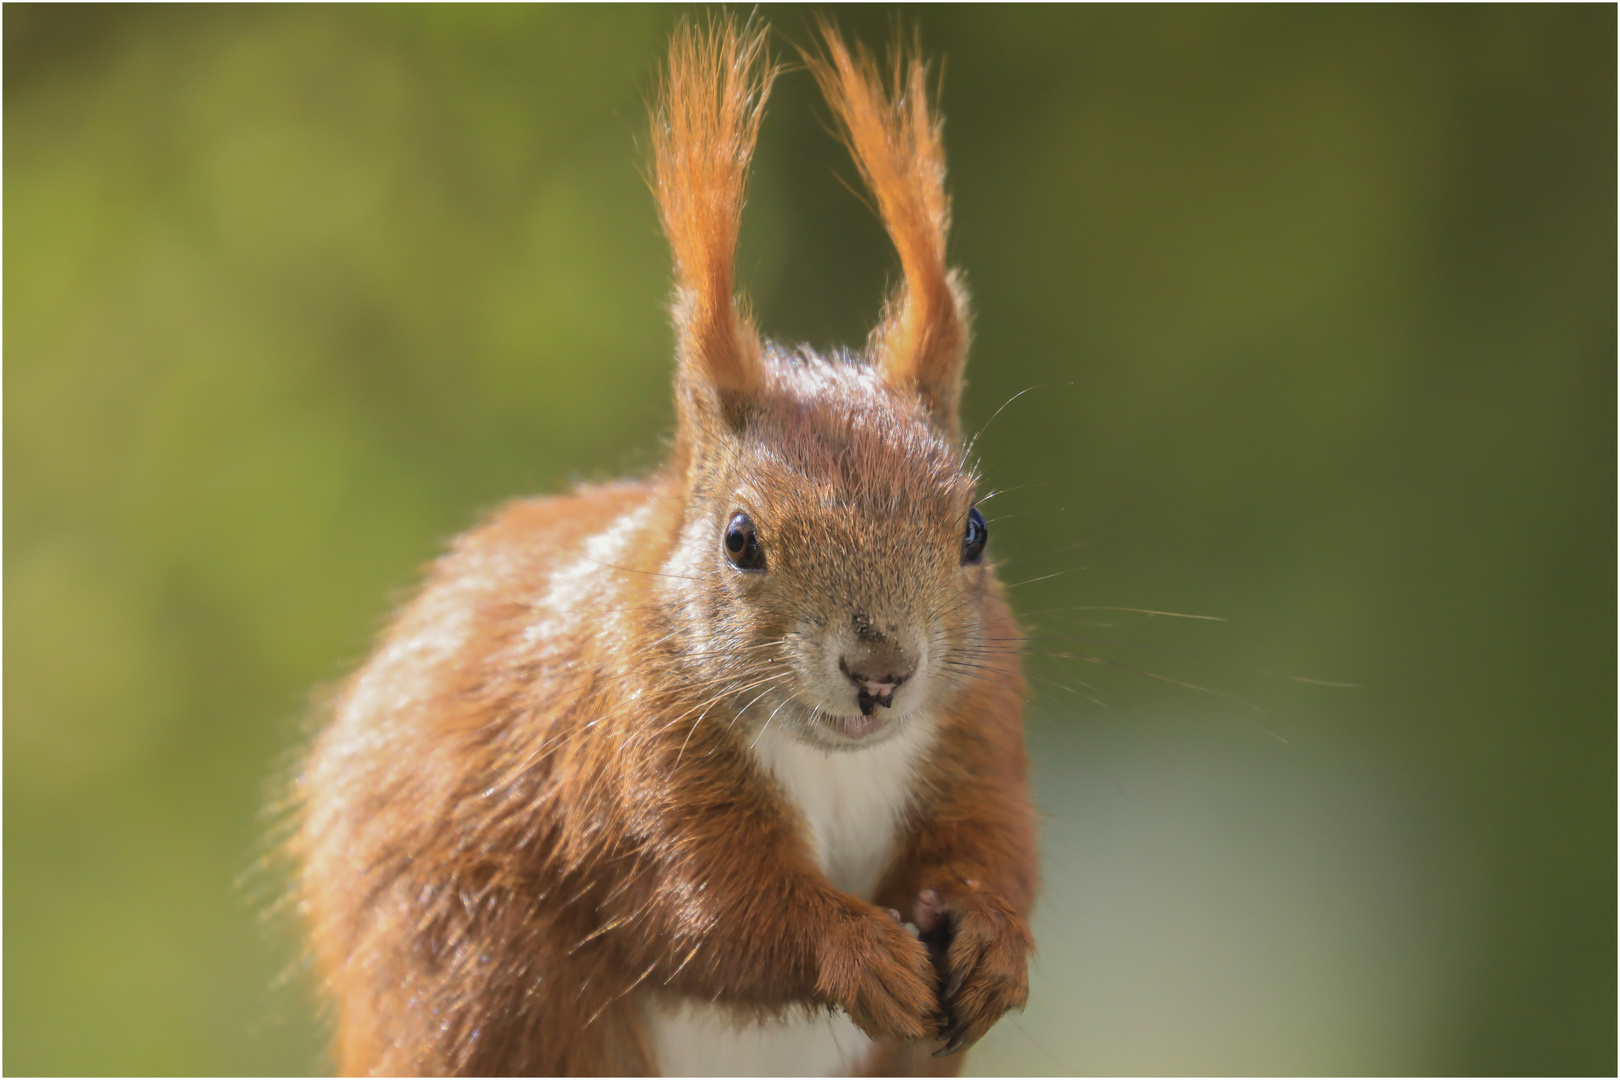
[704,129]
[539,808]
[895,138]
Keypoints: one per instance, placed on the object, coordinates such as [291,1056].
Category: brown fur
[704,129]
[896,142]
[537,804]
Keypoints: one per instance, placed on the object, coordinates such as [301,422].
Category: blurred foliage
[1319,305]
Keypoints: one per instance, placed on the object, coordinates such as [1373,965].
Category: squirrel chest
[851,802]
[851,805]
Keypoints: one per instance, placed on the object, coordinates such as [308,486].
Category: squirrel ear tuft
[704,128]
[894,136]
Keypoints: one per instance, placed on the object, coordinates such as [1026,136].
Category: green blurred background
[1319,305]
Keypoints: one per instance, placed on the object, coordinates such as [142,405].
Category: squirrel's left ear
[704,129]
[894,137]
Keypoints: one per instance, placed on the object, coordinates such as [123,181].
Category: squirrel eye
[973,540]
[742,544]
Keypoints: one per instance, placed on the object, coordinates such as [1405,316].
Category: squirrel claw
[953,1042]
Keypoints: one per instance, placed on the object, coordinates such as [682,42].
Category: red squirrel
[649,777]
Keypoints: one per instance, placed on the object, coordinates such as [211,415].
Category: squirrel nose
[876,677]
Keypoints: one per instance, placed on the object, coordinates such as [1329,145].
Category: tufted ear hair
[894,137]
[705,125]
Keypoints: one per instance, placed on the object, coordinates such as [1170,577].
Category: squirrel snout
[876,676]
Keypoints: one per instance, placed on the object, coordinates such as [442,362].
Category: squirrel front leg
[967,876]
[727,905]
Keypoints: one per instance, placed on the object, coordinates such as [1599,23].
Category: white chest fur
[852,803]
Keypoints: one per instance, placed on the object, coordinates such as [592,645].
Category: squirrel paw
[980,947]
[881,976]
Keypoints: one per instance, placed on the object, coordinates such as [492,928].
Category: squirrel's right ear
[704,128]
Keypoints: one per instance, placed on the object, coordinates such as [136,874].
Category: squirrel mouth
[869,701]
[872,692]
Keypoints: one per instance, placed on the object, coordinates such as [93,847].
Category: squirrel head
[828,573]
